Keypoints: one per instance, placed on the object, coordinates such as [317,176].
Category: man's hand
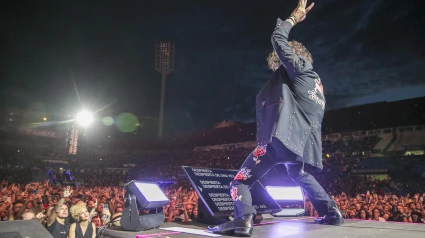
[299,14]
[39,215]
[67,192]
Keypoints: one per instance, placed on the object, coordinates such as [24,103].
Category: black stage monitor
[213,188]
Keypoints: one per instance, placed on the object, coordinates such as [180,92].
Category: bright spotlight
[84,118]
[290,199]
[279,193]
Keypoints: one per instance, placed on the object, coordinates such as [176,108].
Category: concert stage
[293,228]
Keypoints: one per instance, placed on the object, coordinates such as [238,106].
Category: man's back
[305,84]
[307,90]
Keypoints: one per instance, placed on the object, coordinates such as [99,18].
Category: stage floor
[295,227]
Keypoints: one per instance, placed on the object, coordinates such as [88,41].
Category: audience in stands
[96,193]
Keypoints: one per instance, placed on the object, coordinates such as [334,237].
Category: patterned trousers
[259,162]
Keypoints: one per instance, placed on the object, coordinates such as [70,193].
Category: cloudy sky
[62,55]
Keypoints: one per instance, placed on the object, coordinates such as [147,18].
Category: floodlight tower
[164,64]
[83,119]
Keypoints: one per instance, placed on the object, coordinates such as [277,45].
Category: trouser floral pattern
[259,162]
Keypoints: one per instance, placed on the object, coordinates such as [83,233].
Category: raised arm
[66,193]
[289,59]
[281,46]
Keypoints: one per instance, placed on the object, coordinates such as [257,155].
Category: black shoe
[332,218]
[241,226]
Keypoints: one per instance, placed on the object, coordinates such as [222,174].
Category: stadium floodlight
[164,64]
[290,199]
[142,196]
[84,118]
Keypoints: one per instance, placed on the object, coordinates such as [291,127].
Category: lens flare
[108,121]
[127,122]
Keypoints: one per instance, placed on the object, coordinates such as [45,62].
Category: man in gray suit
[289,113]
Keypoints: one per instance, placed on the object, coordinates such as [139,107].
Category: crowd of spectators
[99,197]
[378,207]
[52,204]
[373,203]
[69,210]
[350,147]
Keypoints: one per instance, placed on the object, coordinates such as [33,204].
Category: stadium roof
[375,116]
[363,117]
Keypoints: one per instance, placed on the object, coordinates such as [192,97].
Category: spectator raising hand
[67,192]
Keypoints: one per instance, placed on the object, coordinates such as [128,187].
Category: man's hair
[298,48]
[273,61]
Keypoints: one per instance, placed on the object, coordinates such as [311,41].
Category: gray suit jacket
[278,112]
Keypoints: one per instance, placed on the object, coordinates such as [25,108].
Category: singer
[289,114]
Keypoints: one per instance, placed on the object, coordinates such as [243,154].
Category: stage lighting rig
[142,196]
